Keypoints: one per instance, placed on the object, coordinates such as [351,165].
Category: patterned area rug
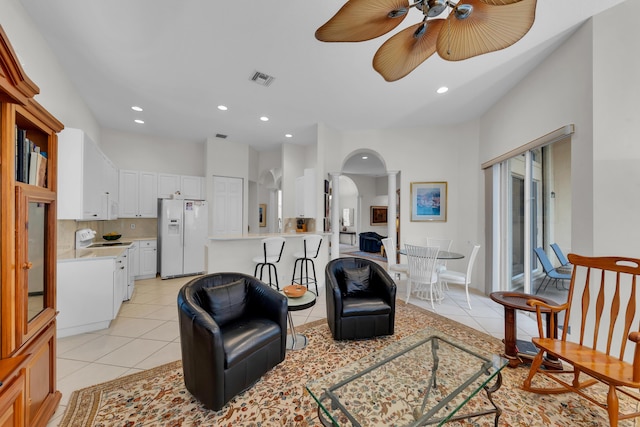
[157,397]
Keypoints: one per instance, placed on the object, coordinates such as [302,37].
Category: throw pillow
[357,281]
[227,302]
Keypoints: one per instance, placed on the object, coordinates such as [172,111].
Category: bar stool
[311,248]
[272,252]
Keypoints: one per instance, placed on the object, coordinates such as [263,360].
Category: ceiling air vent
[220,135]
[262,78]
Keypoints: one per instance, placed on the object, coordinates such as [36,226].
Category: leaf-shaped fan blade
[360,20]
[403,52]
[487,29]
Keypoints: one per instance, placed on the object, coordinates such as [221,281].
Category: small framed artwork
[262,214]
[378,215]
[428,201]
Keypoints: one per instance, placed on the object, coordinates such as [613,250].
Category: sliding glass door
[530,213]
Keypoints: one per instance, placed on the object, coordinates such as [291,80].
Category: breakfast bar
[236,252]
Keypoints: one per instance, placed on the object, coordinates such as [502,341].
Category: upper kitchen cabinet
[188,187]
[28,395]
[87,179]
[306,194]
[138,194]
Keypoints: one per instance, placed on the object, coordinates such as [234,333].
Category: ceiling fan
[471,28]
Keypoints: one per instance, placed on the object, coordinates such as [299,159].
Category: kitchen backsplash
[144,228]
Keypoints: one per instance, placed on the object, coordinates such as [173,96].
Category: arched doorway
[377,192]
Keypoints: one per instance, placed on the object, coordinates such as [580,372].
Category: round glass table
[296,341]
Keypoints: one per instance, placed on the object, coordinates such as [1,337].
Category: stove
[107,244]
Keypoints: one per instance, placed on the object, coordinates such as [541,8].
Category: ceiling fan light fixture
[463,11]
[473,27]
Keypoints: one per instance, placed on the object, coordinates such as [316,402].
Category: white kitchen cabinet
[191,187]
[147,259]
[134,251]
[305,201]
[138,194]
[120,279]
[168,185]
[188,187]
[87,179]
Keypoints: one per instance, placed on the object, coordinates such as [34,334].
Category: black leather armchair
[233,329]
[370,241]
[361,299]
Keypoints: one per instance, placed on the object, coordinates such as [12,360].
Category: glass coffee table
[424,379]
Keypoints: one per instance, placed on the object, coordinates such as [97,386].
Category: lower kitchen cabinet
[90,292]
[147,259]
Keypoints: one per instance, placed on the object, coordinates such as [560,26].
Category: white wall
[448,153]
[146,153]
[590,81]
[616,146]
[57,93]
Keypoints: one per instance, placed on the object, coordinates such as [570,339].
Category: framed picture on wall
[262,215]
[428,201]
[378,215]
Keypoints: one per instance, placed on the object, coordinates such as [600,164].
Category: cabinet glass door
[35,260]
[36,251]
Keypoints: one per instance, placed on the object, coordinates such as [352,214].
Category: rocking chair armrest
[635,337]
[554,309]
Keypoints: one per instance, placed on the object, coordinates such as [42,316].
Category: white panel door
[227,205]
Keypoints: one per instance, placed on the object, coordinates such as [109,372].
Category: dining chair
[422,273]
[551,274]
[393,267]
[457,277]
[442,245]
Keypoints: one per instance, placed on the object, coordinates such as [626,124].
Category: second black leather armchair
[361,299]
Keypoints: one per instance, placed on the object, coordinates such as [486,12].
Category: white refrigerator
[182,237]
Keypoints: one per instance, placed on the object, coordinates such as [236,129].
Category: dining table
[441,254]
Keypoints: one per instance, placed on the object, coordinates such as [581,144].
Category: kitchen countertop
[94,253]
[264,235]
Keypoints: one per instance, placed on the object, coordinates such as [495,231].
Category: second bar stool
[310,249]
[272,248]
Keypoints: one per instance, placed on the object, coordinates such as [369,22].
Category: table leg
[510,349]
[295,341]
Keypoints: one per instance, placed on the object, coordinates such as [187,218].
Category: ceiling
[179,60]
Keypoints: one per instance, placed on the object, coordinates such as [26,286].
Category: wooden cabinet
[138,194]
[88,182]
[27,250]
[188,187]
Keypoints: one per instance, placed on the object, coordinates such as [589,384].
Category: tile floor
[145,333]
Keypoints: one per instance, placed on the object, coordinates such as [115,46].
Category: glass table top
[424,379]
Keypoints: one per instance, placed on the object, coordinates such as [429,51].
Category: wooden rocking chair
[600,332]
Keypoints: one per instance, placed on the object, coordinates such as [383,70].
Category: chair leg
[408,290]
[612,406]
[315,279]
[466,288]
[295,266]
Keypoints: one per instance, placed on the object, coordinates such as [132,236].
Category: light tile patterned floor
[145,333]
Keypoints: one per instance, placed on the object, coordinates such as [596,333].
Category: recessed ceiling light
[288,135]
[264,118]
[365,157]
[442,89]
[222,107]
[139,121]
[136,108]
